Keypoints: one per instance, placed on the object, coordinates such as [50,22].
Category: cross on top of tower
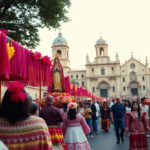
[59,29]
[59,34]
[131,53]
[101,34]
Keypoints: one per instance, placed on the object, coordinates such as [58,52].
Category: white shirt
[97,109]
[145,108]
[128,109]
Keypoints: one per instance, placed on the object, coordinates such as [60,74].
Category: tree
[23,18]
[75,82]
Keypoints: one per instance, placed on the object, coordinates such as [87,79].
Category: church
[103,76]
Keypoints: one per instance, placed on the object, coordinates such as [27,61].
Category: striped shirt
[30,134]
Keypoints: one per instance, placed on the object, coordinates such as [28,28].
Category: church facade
[105,77]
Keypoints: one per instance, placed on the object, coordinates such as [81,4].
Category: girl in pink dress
[137,125]
[75,129]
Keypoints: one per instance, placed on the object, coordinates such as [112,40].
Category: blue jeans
[119,125]
[95,123]
[89,122]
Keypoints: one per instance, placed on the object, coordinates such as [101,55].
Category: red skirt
[56,135]
[138,142]
[105,124]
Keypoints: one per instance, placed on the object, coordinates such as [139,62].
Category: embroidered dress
[30,134]
[105,122]
[75,131]
[53,118]
[128,109]
[137,129]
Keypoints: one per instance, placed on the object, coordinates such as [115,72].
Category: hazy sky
[124,24]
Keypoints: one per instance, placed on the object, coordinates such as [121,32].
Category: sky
[124,24]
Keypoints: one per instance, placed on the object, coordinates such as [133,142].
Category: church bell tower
[60,47]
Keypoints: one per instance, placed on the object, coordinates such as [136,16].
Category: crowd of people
[26,126]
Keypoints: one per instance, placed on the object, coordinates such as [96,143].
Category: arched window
[67,54]
[102,71]
[93,89]
[82,83]
[71,76]
[101,51]
[143,78]
[82,76]
[123,79]
[124,88]
[58,52]
[77,76]
[113,88]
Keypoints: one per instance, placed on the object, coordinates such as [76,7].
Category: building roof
[59,40]
[101,41]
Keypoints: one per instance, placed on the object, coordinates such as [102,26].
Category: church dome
[101,41]
[60,40]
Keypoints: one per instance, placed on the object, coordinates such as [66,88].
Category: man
[112,103]
[94,116]
[145,108]
[117,117]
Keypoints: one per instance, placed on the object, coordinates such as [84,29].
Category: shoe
[96,132]
[122,139]
[147,136]
[118,142]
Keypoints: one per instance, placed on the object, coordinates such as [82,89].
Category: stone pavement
[107,141]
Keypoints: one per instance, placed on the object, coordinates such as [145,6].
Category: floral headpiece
[72,105]
[16,89]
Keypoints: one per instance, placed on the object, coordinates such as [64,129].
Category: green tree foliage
[23,18]
[74,81]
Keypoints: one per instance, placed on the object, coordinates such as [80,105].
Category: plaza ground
[107,141]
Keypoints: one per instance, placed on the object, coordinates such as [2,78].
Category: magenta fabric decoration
[16,89]
[24,66]
[4,31]
[67,84]
[46,60]
[4,60]
[36,55]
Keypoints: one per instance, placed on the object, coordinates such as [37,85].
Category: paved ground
[107,141]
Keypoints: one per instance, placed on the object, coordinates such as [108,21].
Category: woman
[81,109]
[18,129]
[58,81]
[75,129]
[53,118]
[137,125]
[105,115]
[128,109]
[63,111]
[88,118]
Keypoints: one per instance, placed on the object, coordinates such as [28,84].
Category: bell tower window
[67,54]
[59,52]
[102,71]
[101,51]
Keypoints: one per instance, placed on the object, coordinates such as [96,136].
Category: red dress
[137,128]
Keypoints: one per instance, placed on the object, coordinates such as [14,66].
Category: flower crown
[72,105]
[16,89]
